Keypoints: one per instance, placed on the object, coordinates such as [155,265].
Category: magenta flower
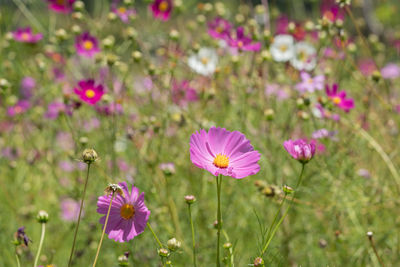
[310,84]
[182,93]
[219,28]
[222,152]
[128,215]
[339,98]
[242,42]
[70,210]
[27,86]
[161,9]
[331,10]
[86,45]
[25,35]
[300,150]
[89,92]
[61,6]
[19,108]
[123,13]
[390,71]
[54,109]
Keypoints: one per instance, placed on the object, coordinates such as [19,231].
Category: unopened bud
[113,188]
[287,189]
[42,217]
[258,262]
[89,156]
[173,244]
[163,252]
[190,199]
[79,6]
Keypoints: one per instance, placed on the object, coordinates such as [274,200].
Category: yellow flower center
[310,81]
[302,55]
[60,2]
[240,44]
[163,6]
[88,45]
[283,48]
[204,60]
[127,211]
[336,100]
[221,161]
[90,93]
[122,10]
[25,36]
[219,29]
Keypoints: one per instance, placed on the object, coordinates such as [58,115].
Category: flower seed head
[113,188]
[89,156]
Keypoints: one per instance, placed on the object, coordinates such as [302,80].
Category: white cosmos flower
[204,62]
[305,57]
[282,48]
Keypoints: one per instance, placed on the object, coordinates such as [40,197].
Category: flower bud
[42,217]
[190,199]
[137,56]
[163,252]
[76,29]
[77,15]
[113,188]
[269,114]
[123,260]
[376,76]
[258,262]
[173,244]
[287,189]
[174,35]
[227,245]
[79,6]
[61,34]
[89,155]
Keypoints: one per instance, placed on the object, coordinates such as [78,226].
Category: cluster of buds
[265,189]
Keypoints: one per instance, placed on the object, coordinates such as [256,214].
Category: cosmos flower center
[18,109]
[283,48]
[337,100]
[204,60]
[88,45]
[240,44]
[163,6]
[302,55]
[127,211]
[219,29]
[310,81]
[122,10]
[90,93]
[25,36]
[221,161]
[60,2]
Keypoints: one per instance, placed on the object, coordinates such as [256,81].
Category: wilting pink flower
[56,108]
[366,66]
[339,98]
[161,9]
[182,93]
[70,210]
[89,92]
[242,42]
[86,45]
[300,150]
[108,109]
[25,35]
[223,152]
[27,86]
[275,89]
[168,168]
[390,71]
[19,108]
[219,28]
[310,84]
[128,215]
[123,13]
[61,6]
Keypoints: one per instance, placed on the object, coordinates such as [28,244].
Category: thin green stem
[193,240]
[40,244]
[371,241]
[29,15]
[104,231]
[155,236]
[276,216]
[286,212]
[17,257]
[219,220]
[79,217]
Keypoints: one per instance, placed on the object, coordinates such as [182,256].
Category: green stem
[40,244]
[79,217]
[286,212]
[276,216]
[219,220]
[17,257]
[376,251]
[154,234]
[104,231]
[193,240]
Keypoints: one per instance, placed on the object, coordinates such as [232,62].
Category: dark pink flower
[300,150]
[21,107]
[182,93]
[339,98]
[25,35]
[161,9]
[86,45]
[242,42]
[128,216]
[331,11]
[61,6]
[223,152]
[89,92]
[219,28]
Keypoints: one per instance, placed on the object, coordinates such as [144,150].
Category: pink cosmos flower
[219,28]
[70,210]
[86,45]
[300,150]
[223,152]
[242,42]
[366,66]
[61,6]
[27,86]
[123,13]
[25,35]
[182,93]
[128,215]
[19,108]
[390,71]
[310,84]
[161,9]
[89,92]
[339,98]
[331,11]
[56,108]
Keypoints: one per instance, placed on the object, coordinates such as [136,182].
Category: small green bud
[287,189]
[137,56]
[77,15]
[258,262]
[190,199]
[174,35]
[269,114]
[42,217]
[173,244]
[61,34]
[163,252]
[89,156]
[227,245]
[79,6]
[376,76]
[76,29]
